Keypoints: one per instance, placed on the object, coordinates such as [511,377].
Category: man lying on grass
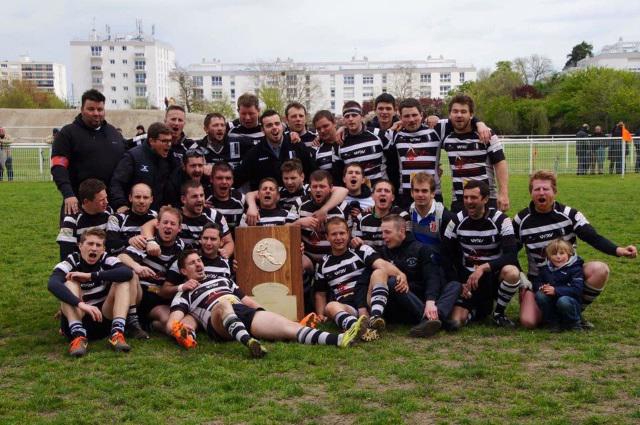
[226,313]
[94,292]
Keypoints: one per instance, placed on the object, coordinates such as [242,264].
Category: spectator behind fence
[600,146]
[582,148]
[636,145]
[5,156]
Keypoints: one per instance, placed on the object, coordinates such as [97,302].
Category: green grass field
[480,375]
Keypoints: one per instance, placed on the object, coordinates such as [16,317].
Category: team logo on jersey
[411,154]
[411,261]
[144,168]
[433,227]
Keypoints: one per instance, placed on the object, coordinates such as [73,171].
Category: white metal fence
[30,161]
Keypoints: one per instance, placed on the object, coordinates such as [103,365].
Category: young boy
[559,285]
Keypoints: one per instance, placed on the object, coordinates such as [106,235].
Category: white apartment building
[130,69]
[623,55]
[46,76]
[327,85]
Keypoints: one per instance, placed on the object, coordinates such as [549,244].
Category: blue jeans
[558,310]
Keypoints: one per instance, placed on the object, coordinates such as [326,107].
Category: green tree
[222,106]
[272,98]
[579,52]
[25,94]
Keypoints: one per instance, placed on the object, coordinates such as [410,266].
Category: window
[139,64]
[141,91]
[197,80]
[384,90]
[140,77]
[348,93]
[367,79]
[96,67]
[348,80]
[367,93]
[112,75]
[112,61]
[333,92]
[425,91]
[216,80]
[114,102]
[96,80]
[462,77]
[292,80]
[216,94]
[445,77]
[125,88]
[96,50]
[332,79]
[113,88]
[126,101]
[333,105]
[198,94]
[307,79]
[233,93]
[425,78]
[124,61]
[111,48]
[384,78]
[125,75]
[444,90]
[124,48]
[233,81]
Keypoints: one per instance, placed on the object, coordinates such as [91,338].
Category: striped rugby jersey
[231,209]
[368,227]
[74,225]
[292,201]
[339,273]
[315,242]
[123,226]
[482,240]
[191,227]
[471,159]
[159,264]
[273,217]
[213,267]
[204,297]
[366,149]
[418,151]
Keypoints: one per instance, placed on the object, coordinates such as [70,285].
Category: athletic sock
[345,320]
[236,328]
[76,329]
[132,316]
[117,325]
[307,335]
[506,291]
[379,296]
[589,294]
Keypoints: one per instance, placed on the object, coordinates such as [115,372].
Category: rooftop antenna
[139,27]
[153,29]
[108,29]
[94,33]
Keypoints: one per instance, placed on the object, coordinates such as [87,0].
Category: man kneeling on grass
[94,291]
[226,313]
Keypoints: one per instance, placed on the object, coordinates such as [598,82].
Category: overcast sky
[476,32]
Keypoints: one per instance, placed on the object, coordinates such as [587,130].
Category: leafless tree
[185,87]
[533,68]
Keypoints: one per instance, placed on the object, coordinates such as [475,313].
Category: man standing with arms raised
[89,147]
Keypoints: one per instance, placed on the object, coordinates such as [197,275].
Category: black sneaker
[451,325]
[425,329]
[135,331]
[586,325]
[502,321]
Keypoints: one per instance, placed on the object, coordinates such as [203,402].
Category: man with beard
[545,220]
[218,147]
[369,227]
[296,116]
[247,127]
[94,291]
[192,169]
[358,198]
[227,314]
[326,155]
[264,159]
[471,159]
[151,269]
[89,147]
[123,229]
[175,118]
[269,213]
[479,250]
[149,163]
[225,199]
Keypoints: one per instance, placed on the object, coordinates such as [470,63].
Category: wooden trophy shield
[270,268]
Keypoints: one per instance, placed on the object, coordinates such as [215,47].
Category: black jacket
[260,162]
[416,261]
[141,165]
[174,185]
[80,152]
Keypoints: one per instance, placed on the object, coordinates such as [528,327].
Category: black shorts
[149,301]
[481,301]
[244,313]
[95,330]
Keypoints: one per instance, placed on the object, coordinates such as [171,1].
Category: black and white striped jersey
[123,226]
[191,228]
[418,151]
[535,230]
[230,151]
[213,267]
[292,201]
[366,149]
[74,225]
[471,159]
[253,134]
[315,241]
[95,291]
[273,217]
[184,144]
[369,227]
[489,239]
[231,209]
[340,273]
[159,264]
[204,297]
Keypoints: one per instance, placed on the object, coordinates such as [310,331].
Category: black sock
[345,320]
[132,316]
[236,328]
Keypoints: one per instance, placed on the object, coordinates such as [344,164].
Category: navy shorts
[244,313]
[95,330]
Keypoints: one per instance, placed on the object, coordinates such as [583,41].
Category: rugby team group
[147,227]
